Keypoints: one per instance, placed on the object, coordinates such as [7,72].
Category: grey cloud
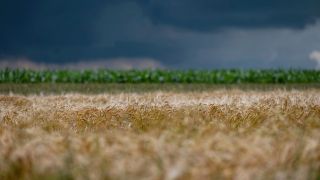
[254,48]
[315,56]
[212,15]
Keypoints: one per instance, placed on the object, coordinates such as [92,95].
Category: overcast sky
[181,34]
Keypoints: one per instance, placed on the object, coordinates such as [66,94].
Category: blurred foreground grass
[223,134]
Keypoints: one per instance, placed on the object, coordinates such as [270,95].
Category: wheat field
[219,134]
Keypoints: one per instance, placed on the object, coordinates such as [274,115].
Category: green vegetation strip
[161,76]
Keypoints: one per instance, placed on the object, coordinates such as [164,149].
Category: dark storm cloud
[67,30]
[42,28]
[208,15]
[171,31]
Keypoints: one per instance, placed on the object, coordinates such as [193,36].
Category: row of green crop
[160,76]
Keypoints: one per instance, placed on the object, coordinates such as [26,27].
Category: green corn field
[233,76]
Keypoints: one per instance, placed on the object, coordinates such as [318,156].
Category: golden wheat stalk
[228,134]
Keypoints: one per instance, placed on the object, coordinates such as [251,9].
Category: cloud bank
[119,63]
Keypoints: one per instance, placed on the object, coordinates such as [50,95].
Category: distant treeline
[233,76]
